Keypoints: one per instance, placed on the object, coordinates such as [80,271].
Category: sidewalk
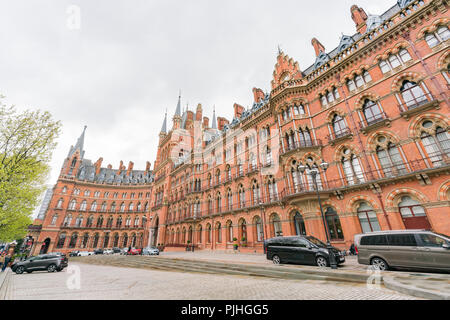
[418,284]
[5,278]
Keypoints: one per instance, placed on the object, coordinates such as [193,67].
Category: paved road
[105,282]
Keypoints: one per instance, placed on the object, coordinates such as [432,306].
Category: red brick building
[375,109]
[95,207]
[370,119]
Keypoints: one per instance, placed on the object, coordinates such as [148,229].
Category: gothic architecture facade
[365,128]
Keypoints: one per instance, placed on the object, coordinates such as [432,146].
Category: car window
[377,240]
[301,243]
[316,241]
[403,240]
[429,240]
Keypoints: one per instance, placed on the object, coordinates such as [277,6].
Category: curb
[391,283]
[5,279]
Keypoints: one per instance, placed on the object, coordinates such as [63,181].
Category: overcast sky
[119,71]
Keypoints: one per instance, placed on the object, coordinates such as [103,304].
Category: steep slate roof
[387,15]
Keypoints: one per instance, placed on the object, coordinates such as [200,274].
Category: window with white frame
[395,60]
[440,35]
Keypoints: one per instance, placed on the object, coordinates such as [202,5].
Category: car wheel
[51,268]
[379,264]
[276,259]
[20,269]
[321,261]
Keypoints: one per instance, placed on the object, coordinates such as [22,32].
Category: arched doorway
[45,246]
[299,224]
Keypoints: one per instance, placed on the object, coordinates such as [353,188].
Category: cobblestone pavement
[105,282]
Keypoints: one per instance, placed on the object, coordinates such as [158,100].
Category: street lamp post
[314,172]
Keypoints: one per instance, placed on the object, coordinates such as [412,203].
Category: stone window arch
[305,137]
[218,202]
[229,200]
[299,224]
[275,224]
[61,240]
[241,195]
[372,112]
[256,195]
[339,126]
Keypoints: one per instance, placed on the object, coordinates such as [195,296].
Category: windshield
[316,241]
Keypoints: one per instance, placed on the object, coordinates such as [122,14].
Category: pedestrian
[7,260]
[352,249]
[2,260]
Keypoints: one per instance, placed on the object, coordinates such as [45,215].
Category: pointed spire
[164,126]
[214,121]
[178,111]
[79,145]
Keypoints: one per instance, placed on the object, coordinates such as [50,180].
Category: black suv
[98,251]
[300,249]
[49,262]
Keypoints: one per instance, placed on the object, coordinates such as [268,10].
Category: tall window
[339,126]
[61,240]
[241,196]
[413,95]
[68,220]
[94,206]
[358,81]
[334,224]
[298,109]
[352,167]
[72,205]
[436,142]
[389,157]
[59,204]
[83,205]
[276,225]
[305,137]
[372,112]
[79,221]
[299,225]
[259,229]
[73,240]
[367,218]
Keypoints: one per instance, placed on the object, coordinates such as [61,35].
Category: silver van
[417,249]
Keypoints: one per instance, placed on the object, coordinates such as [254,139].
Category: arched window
[83,205]
[372,112]
[106,240]
[131,207]
[219,232]
[241,196]
[230,231]
[218,203]
[128,222]
[208,232]
[334,224]
[243,230]
[352,167]
[54,218]
[413,95]
[94,206]
[61,240]
[104,207]
[298,109]
[395,61]
[339,126]
[73,240]
[296,177]
[411,208]
[200,230]
[72,205]
[59,204]
[305,137]
[67,220]
[116,240]
[299,225]
[125,240]
[436,142]
[119,222]
[100,222]
[90,221]
[441,35]
[122,207]
[367,218]
[389,157]
[109,224]
[230,200]
[85,241]
[276,225]
[255,193]
[259,229]
[79,221]
[272,189]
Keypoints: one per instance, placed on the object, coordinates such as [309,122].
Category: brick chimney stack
[130,167]
[238,110]
[98,166]
[359,16]
[222,122]
[258,94]
[318,47]
[147,166]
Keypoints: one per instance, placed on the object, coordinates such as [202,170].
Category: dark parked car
[117,250]
[74,253]
[98,251]
[300,249]
[49,262]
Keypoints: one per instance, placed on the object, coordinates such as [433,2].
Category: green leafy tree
[27,140]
